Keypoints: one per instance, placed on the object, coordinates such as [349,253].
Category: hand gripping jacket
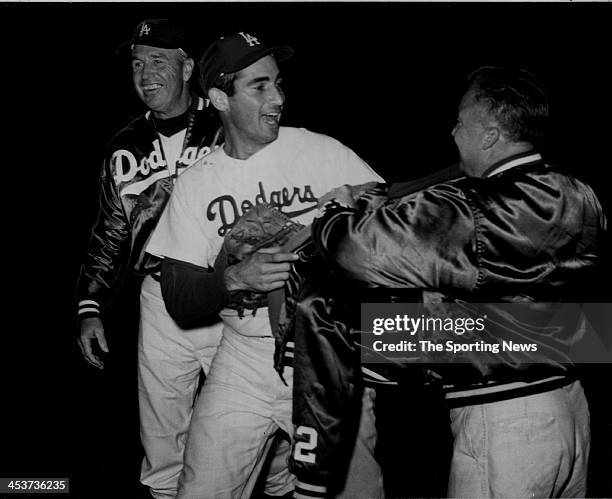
[528,235]
[135,184]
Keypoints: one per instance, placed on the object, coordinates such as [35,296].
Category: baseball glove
[262,226]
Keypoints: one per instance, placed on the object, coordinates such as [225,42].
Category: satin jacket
[528,235]
[135,185]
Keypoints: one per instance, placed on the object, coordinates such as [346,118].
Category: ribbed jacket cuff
[88,308]
[304,490]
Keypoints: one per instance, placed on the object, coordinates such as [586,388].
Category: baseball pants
[169,364]
[533,446]
[243,405]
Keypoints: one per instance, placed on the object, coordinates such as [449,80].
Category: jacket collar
[524,158]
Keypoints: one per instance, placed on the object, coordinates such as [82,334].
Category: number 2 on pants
[303,448]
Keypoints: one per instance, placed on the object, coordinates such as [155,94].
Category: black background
[384,78]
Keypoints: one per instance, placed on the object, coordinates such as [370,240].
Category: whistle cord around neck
[169,125]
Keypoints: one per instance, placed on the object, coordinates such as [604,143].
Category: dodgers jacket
[313,331]
[135,184]
[530,234]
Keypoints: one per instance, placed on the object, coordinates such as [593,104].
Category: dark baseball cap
[161,33]
[232,53]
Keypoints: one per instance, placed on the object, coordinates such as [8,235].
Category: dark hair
[225,82]
[516,99]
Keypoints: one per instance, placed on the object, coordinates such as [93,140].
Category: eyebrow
[157,55]
[259,79]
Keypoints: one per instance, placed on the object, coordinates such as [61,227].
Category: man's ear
[187,68]
[219,99]
[491,135]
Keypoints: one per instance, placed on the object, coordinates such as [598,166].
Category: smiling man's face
[160,79]
[254,110]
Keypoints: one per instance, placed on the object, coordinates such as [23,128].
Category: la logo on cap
[250,39]
[144,30]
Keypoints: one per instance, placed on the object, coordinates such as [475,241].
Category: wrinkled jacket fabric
[135,185]
[317,318]
[530,234]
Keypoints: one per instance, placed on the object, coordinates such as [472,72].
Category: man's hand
[342,194]
[346,195]
[265,270]
[92,328]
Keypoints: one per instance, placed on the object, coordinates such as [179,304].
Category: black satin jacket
[135,184]
[530,234]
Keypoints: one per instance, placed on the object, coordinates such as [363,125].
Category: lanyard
[188,133]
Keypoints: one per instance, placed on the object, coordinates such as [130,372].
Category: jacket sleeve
[108,251]
[423,240]
[193,295]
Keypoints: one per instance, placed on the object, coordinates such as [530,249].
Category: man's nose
[276,96]
[147,68]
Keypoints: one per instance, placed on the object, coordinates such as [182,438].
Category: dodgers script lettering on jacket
[229,210]
[126,167]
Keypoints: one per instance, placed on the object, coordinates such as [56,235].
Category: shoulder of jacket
[445,191]
[125,136]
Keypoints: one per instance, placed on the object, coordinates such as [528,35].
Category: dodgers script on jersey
[133,176]
[226,209]
[290,174]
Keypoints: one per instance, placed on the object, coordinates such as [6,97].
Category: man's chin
[272,134]
[154,102]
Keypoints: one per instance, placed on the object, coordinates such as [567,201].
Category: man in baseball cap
[161,33]
[244,406]
[140,167]
[162,66]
